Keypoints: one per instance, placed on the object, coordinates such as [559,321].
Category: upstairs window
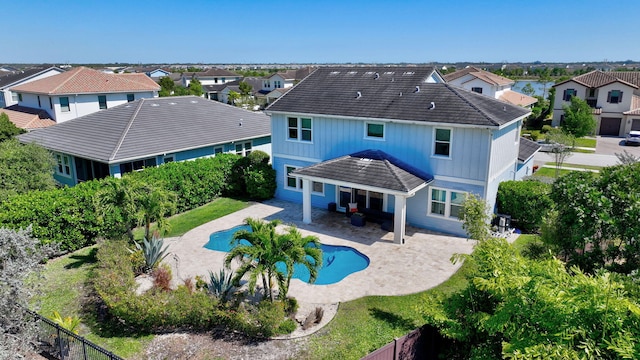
[375,130]
[19,97]
[614,96]
[568,94]
[14,97]
[39,104]
[299,129]
[477,89]
[102,102]
[50,103]
[442,143]
[64,104]
[130,97]
[277,84]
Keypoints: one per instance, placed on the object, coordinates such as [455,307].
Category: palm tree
[119,196]
[155,203]
[268,248]
[300,250]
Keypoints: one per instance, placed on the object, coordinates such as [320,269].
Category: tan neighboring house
[28,118]
[613,95]
[489,84]
[83,91]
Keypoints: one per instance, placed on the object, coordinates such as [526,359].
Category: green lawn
[65,282]
[578,166]
[181,223]
[549,172]
[586,142]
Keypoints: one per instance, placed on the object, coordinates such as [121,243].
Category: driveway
[610,145]
[605,155]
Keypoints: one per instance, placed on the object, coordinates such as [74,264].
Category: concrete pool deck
[420,264]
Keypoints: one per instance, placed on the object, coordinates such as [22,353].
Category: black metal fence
[65,345]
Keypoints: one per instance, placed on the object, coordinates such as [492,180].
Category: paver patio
[420,264]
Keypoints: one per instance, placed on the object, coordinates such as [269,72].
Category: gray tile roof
[12,78]
[149,127]
[527,149]
[356,92]
[371,168]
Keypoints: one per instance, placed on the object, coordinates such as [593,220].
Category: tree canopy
[8,130]
[195,87]
[24,167]
[245,88]
[578,118]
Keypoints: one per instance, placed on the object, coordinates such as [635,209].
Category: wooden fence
[420,344]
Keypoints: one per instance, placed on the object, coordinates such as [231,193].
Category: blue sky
[330,31]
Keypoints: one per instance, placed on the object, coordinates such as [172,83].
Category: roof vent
[400,93]
[172,103]
[155,105]
[504,108]
[431,106]
[375,76]
[194,101]
[358,95]
[240,123]
[417,90]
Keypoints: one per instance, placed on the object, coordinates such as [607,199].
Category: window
[592,92]
[130,97]
[64,165]
[614,96]
[14,97]
[64,104]
[223,80]
[267,84]
[477,89]
[446,203]
[168,159]
[299,129]
[19,97]
[277,84]
[292,182]
[39,104]
[442,145]
[217,150]
[50,103]
[375,130]
[568,94]
[102,102]
[243,149]
[317,187]
[137,165]
[215,80]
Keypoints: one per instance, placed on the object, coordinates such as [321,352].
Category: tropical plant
[220,285]
[23,168]
[120,197]
[578,118]
[266,249]
[476,218]
[154,204]
[68,323]
[153,252]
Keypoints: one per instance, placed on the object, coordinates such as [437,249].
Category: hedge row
[183,308]
[67,216]
[526,201]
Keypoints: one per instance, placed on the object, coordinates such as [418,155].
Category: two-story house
[489,84]
[82,91]
[11,79]
[273,85]
[393,139]
[150,132]
[614,97]
[213,76]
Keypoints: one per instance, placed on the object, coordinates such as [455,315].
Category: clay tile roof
[83,80]
[484,75]
[599,78]
[516,98]
[635,106]
[28,118]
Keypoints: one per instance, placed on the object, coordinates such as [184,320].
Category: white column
[399,219]
[306,201]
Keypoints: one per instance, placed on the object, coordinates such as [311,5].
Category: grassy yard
[549,172]
[366,324]
[65,282]
[586,142]
[181,223]
[577,166]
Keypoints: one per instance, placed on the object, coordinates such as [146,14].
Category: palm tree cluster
[266,249]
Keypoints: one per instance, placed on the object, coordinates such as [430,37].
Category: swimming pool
[338,262]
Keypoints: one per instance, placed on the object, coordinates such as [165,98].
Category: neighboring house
[526,151]
[8,98]
[150,132]
[82,91]
[280,80]
[150,71]
[614,97]
[28,118]
[489,84]
[213,76]
[392,139]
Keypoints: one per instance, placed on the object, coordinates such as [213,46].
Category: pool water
[338,262]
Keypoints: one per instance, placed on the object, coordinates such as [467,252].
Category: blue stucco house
[150,132]
[394,139]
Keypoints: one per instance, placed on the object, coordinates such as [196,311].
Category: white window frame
[433,143]
[66,108]
[172,158]
[62,168]
[14,96]
[216,148]
[369,137]
[298,186]
[475,88]
[299,129]
[313,188]
[247,147]
[447,203]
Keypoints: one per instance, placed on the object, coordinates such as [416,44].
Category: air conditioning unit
[503,222]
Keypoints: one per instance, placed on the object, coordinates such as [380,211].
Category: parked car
[547,146]
[633,138]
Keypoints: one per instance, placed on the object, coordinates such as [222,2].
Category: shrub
[535,135]
[546,129]
[526,201]
[260,181]
[257,157]
[162,278]
[268,318]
